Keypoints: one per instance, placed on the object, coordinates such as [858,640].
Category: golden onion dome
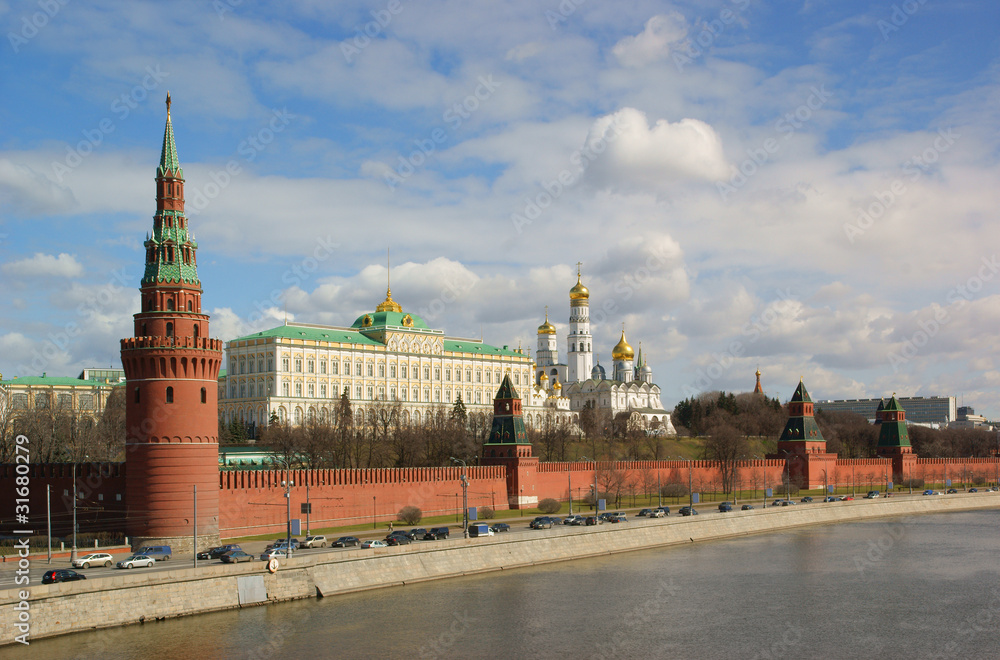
[622,351]
[544,376]
[546,328]
[557,385]
[579,292]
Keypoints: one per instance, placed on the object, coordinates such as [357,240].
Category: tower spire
[170,164]
[388,305]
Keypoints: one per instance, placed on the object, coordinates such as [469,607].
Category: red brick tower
[507,445]
[172,369]
[802,445]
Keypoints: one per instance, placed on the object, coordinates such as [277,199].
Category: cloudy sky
[809,187]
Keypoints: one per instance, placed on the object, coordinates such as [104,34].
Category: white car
[314,542]
[93,559]
[657,513]
[137,561]
[273,553]
[374,544]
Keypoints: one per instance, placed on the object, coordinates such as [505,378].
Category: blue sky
[810,187]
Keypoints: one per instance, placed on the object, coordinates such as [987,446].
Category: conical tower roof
[801,395]
[170,164]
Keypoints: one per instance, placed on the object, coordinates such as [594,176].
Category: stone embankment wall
[135,596]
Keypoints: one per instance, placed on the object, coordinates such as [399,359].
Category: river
[918,587]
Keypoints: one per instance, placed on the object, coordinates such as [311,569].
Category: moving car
[664,509]
[93,559]
[314,542]
[644,512]
[218,551]
[479,529]
[725,507]
[417,533]
[373,544]
[806,499]
[688,511]
[618,517]
[657,513]
[346,541]
[280,543]
[500,527]
[973,490]
[830,498]
[573,520]
[591,520]
[397,538]
[137,561]
[436,533]
[268,555]
[541,522]
[747,507]
[872,495]
[236,556]
[157,552]
[952,491]
[61,575]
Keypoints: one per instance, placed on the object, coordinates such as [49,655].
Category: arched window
[170,304]
[170,394]
[170,329]
[204,395]
[190,306]
[137,395]
[196,332]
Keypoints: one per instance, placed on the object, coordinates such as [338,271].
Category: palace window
[260,364]
[402,393]
[458,375]
[357,392]
[381,393]
[284,389]
[333,368]
[478,399]
[322,366]
[371,392]
[298,389]
[358,369]
[381,370]
[86,402]
[427,394]
[310,367]
[437,396]
[312,390]
[402,370]
[371,369]
[447,396]
[243,390]
[479,376]
[427,373]
[447,374]
[284,364]
[20,401]
[437,373]
[416,394]
[468,375]
[392,371]
[298,365]
[322,391]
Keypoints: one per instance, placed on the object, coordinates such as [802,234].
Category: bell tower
[171,369]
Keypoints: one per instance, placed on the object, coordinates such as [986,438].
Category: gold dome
[546,328]
[544,376]
[557,385]
[579,292]
[622,351]
[388,305]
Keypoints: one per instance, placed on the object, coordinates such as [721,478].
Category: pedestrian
[390,527]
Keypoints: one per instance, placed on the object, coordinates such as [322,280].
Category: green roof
[61,381]
[472,346]
[313,334]
[506,390]
[893,405]
[801,395]
[170,164]
[391,319]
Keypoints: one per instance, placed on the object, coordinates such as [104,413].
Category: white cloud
[654,42]
[45,265]
[627,152]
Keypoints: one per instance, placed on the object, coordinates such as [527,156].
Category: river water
[918,587]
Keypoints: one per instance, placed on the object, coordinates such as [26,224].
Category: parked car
[777,502]
[346,541]
[664,509]
[725,507]
[644,512]
[806,499]
[500,527]
[973,490]
[417,533]
[573,520]
[373,544]
[657,513]
[541,522]
[137,561]
[436,533]
[478,529]
[93,559]
[688,511]
[846,498]
[280,543]
[218,551]
[61,575]
[556,520]
[314,542]
[952,491]
[830,498]
[872,495]
[268,555]
[747,507]
[787,503]
[591,520]
[236,556]
[605,517]
[618,517]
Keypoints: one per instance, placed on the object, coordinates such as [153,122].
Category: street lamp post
[765,480]
[690,482]
[374,514]
[465,495]
[72,554]
[288,515]
[308,508]
[569,481]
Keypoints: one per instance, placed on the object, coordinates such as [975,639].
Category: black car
[236,556]
[217,552]
[591,520]
[62,575]
[806,499]
[398,538]
[952,491]
[541,522]
[416,533]
[747,507]
[688,511]
[725,507]
[346,541]
[500,527]
[436,533]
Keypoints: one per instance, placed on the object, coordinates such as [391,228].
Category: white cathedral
[630,389]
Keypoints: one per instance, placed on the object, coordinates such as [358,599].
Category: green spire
[169,162]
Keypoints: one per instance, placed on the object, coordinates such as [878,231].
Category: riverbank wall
[137,597]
